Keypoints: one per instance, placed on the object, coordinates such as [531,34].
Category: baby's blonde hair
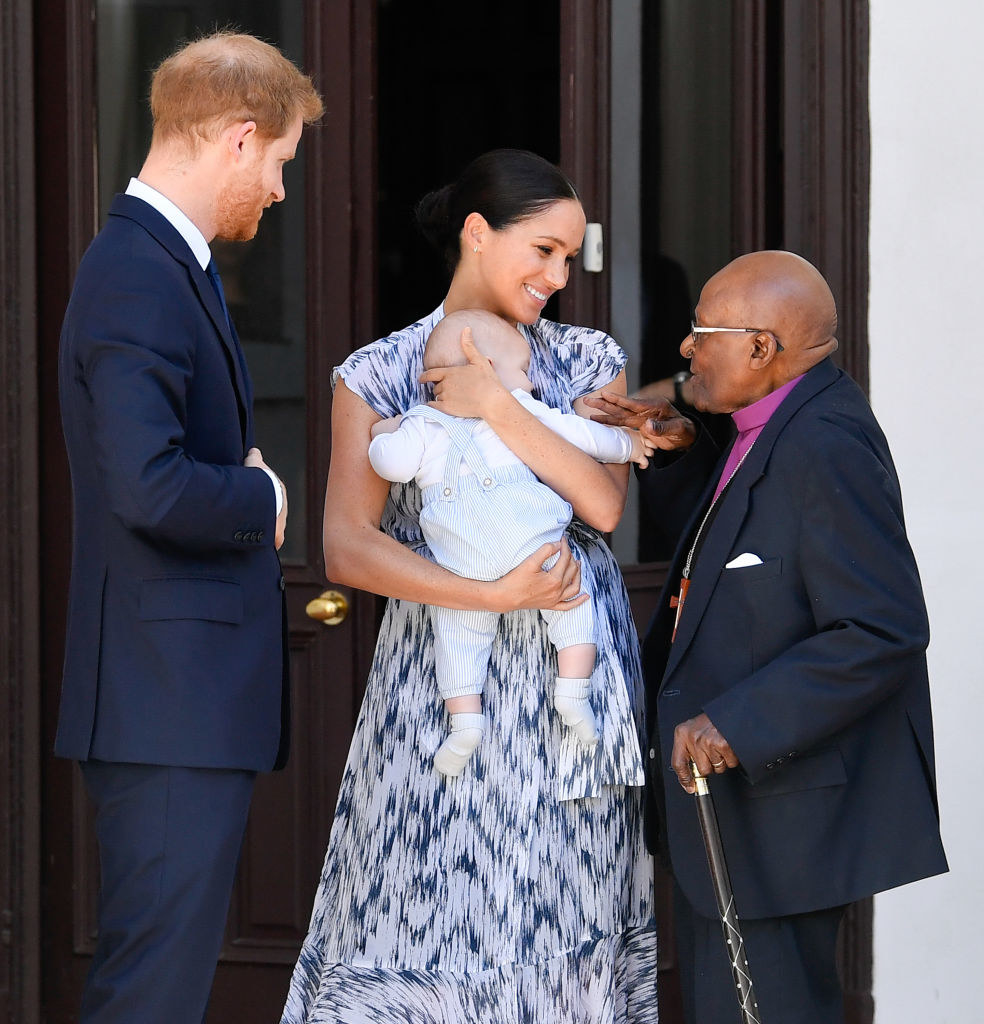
[489,332]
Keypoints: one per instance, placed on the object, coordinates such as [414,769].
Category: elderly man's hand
[699,741]
[657,420]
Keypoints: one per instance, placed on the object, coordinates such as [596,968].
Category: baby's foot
[571,702]
[452,755]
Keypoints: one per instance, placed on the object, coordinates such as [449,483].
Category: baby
[483,512]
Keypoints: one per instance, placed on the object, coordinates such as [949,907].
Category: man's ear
[241,136]
[474,232]
[763,351]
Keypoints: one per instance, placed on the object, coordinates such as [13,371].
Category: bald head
[773,317]
[782,293]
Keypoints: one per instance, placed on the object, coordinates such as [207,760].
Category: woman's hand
[529,585]
[659,423]
[470,390]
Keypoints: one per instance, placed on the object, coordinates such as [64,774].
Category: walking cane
[725,899]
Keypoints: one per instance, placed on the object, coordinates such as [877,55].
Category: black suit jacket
[811,664]
[175,650]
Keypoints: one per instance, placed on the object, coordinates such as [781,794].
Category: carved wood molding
[801,159]
[585,143]
[19,583]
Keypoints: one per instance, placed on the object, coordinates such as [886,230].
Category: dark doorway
[455,80]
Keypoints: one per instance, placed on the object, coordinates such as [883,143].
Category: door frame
[801,127]
[20,593]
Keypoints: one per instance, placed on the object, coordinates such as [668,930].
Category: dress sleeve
[384,373]
[588,358]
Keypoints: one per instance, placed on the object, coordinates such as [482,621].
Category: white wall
[927,388]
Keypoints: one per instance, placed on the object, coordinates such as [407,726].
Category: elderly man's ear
[765,348]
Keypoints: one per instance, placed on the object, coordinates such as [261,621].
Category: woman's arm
[596,491]
[359,554]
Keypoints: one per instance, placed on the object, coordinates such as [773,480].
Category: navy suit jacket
[811,664]
[176,640]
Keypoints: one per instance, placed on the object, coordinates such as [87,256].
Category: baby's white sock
[571,702]
[452,755]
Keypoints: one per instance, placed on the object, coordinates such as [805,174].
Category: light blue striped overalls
[481,525]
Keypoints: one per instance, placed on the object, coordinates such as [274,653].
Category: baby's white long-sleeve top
[418,448]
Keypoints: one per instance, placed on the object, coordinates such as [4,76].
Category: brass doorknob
[330,608]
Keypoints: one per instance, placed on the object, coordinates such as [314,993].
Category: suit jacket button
[259,535]
[283,583]
[238,535]
[652,753]
[771,765]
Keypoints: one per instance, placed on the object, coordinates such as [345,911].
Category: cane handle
[699,781]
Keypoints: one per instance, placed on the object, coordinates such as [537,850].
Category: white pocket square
[743,560]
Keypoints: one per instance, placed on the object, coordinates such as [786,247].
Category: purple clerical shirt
[750,422]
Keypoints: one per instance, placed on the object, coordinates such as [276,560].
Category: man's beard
[238,212]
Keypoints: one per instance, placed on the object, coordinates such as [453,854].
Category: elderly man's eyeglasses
[695,330]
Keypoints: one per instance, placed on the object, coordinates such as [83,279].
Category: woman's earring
[475,249]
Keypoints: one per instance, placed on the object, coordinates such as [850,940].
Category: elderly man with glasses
[787,655]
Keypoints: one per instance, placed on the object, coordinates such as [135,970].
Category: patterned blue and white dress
[520,892]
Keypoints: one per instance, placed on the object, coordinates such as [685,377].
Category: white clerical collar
[178,220]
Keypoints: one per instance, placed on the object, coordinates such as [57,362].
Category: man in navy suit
[787,654]
[175,689]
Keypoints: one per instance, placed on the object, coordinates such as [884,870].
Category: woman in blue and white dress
[520,891]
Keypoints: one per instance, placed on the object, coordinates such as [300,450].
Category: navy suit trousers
[169,843]
[792,961]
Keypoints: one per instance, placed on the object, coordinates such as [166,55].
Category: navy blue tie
[213,276]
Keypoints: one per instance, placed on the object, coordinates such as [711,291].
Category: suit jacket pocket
[807,771]
[751,573]
[191,597]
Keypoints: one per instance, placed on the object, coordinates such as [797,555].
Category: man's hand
[698,740]
[658,421]
[254,459]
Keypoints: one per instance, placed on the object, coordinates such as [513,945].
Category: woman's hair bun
[433,215]
[504,185]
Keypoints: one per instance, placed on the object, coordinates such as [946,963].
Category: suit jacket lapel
[230,342]
[170,239]
[724,527]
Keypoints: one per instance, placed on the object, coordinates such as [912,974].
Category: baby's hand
[385,426]
[641,448]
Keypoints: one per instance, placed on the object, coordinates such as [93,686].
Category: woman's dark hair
[503,185]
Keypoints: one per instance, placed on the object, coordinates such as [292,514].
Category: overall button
[487,481]
[447,491]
